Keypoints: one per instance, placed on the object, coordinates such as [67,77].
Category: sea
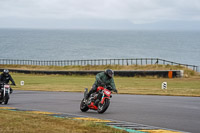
[50,44]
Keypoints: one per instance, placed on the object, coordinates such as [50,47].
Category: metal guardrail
[132,61]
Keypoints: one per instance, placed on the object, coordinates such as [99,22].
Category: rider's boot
[11,90]
[88,95]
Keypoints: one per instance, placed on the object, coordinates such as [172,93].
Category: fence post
[156,62]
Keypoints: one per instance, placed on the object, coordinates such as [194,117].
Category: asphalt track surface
[172,112]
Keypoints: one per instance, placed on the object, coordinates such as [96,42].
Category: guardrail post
[156,62]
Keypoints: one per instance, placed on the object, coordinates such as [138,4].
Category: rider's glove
[101,83]
[115,90]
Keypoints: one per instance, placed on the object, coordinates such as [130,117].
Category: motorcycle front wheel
[6,99]
[83,106]
[103,107]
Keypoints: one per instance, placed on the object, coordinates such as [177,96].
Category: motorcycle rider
[102,79]
[5,77]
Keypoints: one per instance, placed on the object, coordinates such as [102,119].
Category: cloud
[135,11]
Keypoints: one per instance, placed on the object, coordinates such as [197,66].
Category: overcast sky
[100,14]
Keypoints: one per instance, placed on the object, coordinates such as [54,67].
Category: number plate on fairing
[107,92]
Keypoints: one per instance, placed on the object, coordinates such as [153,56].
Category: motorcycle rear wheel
[103,107]
[83,106]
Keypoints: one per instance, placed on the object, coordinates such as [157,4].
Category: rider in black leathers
[5,77]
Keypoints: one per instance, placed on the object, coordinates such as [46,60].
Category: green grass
[187,86]
[22,122]
[125,85]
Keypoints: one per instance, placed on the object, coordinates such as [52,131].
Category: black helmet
[109,73]
[5,72]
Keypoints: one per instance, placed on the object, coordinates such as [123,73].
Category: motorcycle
[100,100]
[4,93]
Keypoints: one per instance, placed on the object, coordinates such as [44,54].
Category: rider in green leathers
[102,79]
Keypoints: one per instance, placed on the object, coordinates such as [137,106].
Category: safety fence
[131,61]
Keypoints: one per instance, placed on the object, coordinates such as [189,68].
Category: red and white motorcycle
[100,100]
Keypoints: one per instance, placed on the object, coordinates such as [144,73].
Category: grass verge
[21,122]
[125,85]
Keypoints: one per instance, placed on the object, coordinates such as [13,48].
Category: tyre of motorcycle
[103,107]
[1,97]
[83,106]
[6,98]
